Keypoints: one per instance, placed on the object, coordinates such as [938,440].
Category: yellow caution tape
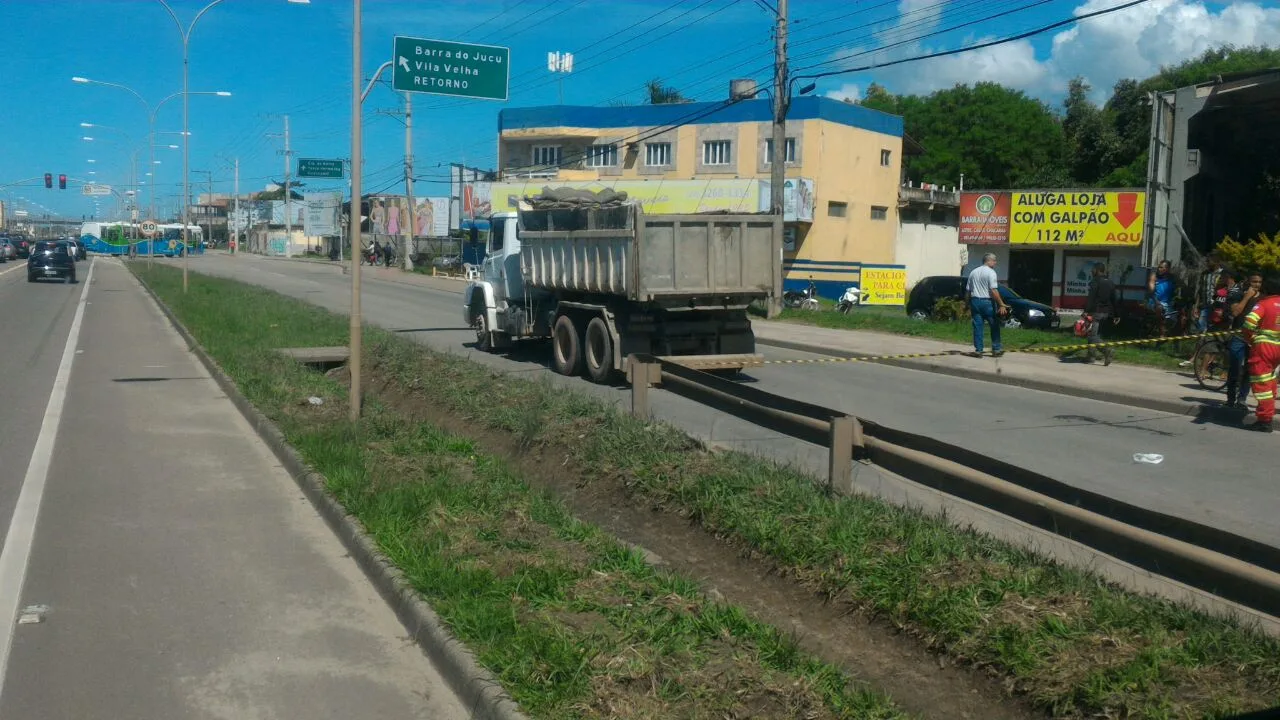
[1045,349]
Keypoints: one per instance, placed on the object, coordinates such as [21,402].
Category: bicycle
[1211,363]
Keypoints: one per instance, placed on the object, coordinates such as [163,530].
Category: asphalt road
[1213,474]
[157,561]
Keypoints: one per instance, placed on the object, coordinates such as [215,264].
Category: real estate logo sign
[984,218]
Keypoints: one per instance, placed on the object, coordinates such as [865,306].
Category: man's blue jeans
[1237,369]
[984,310]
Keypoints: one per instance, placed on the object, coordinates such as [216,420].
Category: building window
[837,209]
[717,152]
[938,217]
[546,155]
[879,213]
[657,154]
[602,156]
[790,146]
[886,158]
[909,215]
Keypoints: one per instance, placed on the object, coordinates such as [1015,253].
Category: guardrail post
[642,373]
[845,432]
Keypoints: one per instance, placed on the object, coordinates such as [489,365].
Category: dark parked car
[22,245]
[51,259]
[1024,312]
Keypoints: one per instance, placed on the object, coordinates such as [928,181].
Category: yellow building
[843,169]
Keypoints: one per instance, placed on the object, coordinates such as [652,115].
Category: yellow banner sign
[655,196]
[883,284]
[1077,217]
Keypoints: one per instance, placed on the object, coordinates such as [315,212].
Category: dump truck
[603,280]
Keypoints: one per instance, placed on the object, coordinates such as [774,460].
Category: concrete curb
[1176,407]
[475,686]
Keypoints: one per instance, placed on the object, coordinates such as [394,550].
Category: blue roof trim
[643,116]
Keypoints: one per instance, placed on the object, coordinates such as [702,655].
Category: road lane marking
[12,269]
[16,552]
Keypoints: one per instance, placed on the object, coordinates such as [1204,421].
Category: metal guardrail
[1230,566]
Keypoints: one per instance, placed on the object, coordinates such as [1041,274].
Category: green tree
[660,94]
[997,137]
[1092,144]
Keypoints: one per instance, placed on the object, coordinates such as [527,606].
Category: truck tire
[598,351]
[566,347]
[484,333]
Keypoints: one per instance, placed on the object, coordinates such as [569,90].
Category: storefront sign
[657,197]
[1076,217]
[984,218]
[884,284]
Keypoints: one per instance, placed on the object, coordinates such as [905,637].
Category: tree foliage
[660,94]
[1000,138]
[1261,254]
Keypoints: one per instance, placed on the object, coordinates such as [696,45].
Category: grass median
[894,321]
[571,622]
[509,567]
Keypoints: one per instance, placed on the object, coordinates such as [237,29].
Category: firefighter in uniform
[1262,329]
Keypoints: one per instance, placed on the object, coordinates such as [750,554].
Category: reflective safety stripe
[1265,340]
[1262,378]
[1264,396]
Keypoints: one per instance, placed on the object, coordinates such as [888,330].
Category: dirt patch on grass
[921,681]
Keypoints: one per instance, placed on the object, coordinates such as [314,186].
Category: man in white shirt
[986,305]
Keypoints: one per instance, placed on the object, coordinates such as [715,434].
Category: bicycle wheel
[1211,364]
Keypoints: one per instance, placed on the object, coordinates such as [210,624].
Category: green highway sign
[440,67]
[317,168]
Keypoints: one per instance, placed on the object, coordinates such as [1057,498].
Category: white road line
[22,528]
[12,269]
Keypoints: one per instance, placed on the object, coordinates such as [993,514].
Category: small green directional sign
[318,168]
[440,67]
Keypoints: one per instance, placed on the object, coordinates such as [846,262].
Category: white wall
[929,249]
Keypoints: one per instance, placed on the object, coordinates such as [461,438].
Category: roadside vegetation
[575,625]
[894,320]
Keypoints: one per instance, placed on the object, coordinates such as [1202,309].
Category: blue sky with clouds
[278,58]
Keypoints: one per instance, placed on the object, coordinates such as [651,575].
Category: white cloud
[1134,42]
[847,91]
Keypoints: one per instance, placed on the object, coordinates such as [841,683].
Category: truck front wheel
[598,351]
[566,347]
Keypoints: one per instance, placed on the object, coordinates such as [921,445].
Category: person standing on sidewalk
[1262,325]
[1162,287]
[1099,308]
[1205,292]
[1240,302]
[986,305]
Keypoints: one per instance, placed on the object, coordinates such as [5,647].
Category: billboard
[656,196]
[1077,217]
[883,284]
[389,215]
[984,218]
[322,210]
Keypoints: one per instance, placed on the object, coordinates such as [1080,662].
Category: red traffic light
[48,180]
[62,182]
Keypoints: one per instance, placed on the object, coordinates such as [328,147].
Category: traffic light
[48,180]
[62,182]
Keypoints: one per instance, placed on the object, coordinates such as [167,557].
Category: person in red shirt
[1262,329]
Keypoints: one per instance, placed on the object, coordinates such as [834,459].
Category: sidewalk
[1163,390]
[185,573]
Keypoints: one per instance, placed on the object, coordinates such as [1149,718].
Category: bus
[116,238]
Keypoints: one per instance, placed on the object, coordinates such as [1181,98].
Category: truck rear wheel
[598,351]
[566,347]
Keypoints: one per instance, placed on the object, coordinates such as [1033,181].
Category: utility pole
[235,227]
[408,181]
[288,193]
[355,398]
[781,102]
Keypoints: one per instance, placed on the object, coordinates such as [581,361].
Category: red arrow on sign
[1126,213]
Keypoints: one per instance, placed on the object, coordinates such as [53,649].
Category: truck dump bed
[705,259]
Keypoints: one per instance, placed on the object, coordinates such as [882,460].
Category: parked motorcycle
[851,298]
[806,300]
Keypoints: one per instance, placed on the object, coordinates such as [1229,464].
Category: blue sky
[278,58]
